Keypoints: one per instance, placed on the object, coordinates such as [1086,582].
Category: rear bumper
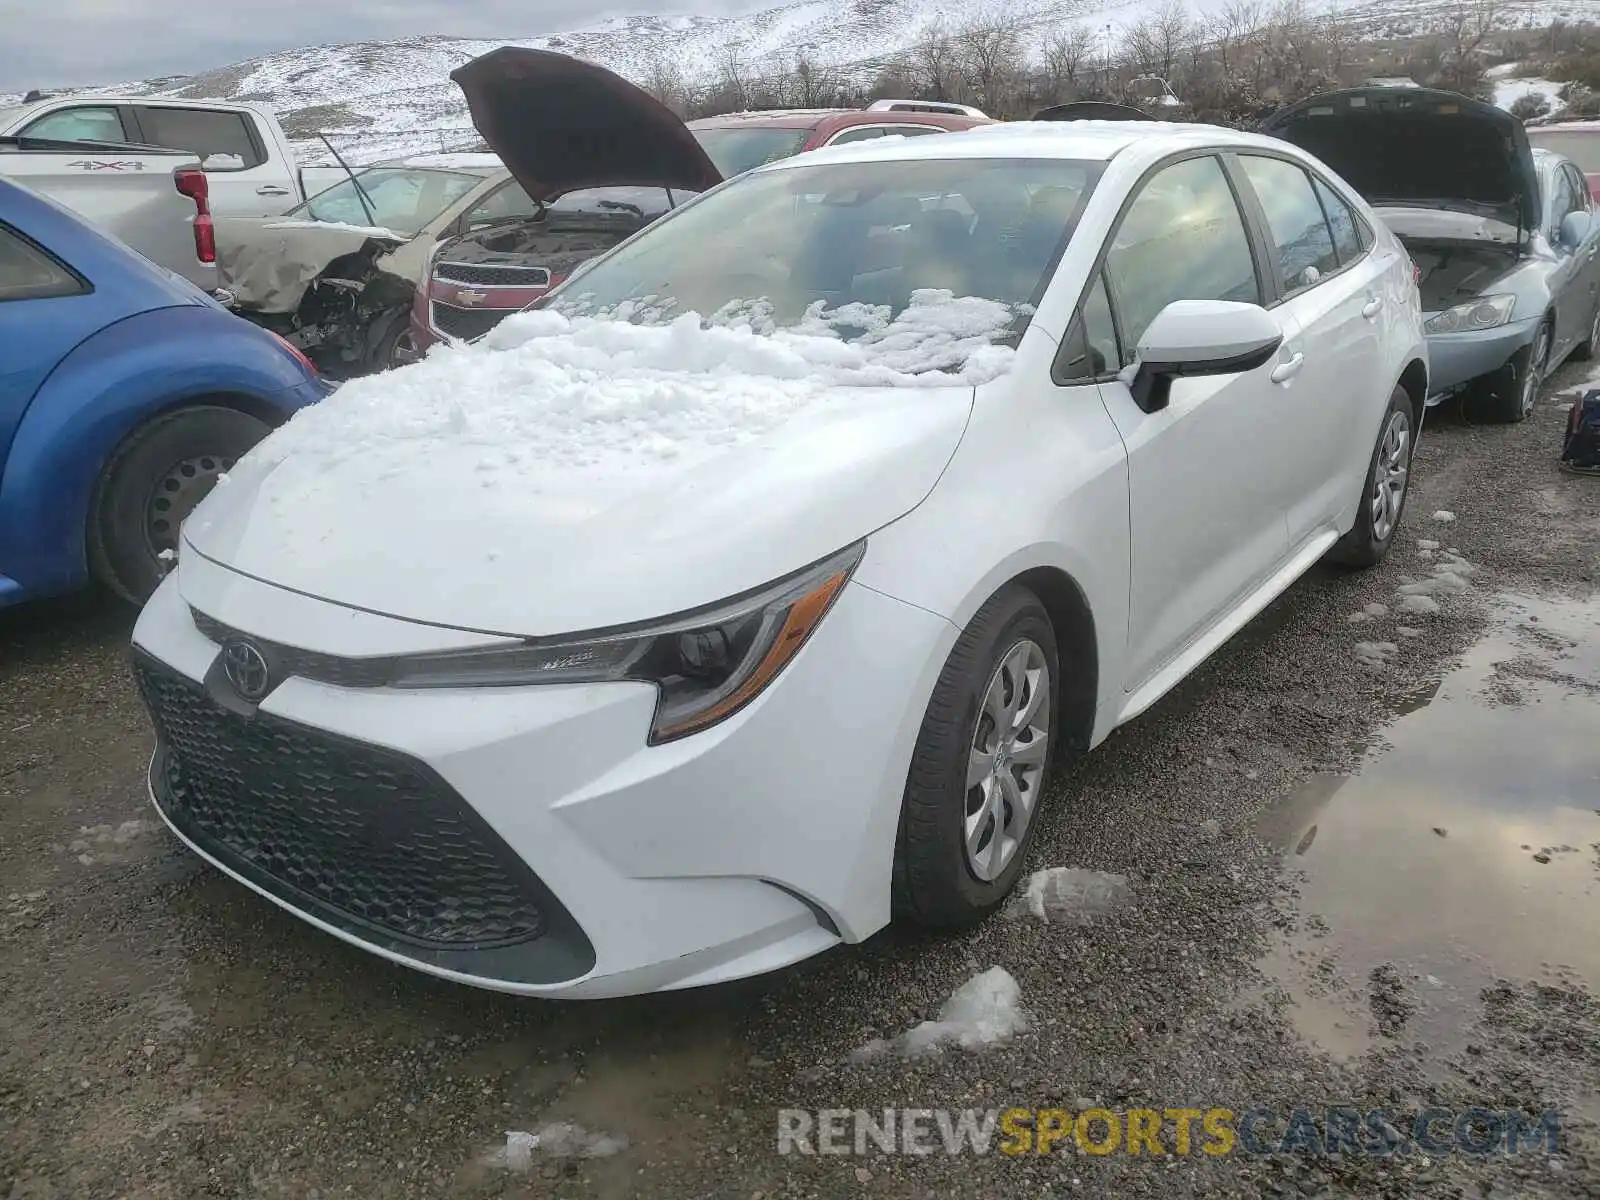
[1456,359]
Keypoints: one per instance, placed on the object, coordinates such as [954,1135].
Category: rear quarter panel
[111,383]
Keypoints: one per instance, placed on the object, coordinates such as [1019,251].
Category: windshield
[849,246]
[1581,146]
[736,150]
[403,199]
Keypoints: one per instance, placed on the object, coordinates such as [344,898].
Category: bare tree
[733,76]
[1066,54]
[1238,21]
[815,85]
[664,80]
[989,52]
[938,63]
[1157,43]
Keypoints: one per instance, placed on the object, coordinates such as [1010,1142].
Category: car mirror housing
[1201,337]
[1575,227]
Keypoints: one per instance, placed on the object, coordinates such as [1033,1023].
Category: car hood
[565,549]
[559,123]
[267,263]
[1419,147]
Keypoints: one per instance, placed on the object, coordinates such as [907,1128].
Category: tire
[1589,349]
[1386,488]
[151,483]
[388,333]
[938,881]
[1508,396]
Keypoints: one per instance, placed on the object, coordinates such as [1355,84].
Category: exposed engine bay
[556,240]
[1454,272]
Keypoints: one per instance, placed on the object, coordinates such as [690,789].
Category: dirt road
[1362,848]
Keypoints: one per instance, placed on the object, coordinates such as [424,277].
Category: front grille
[360,836]
[307,664]
[467,323]
[497,276]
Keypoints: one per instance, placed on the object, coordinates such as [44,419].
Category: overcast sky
[63,43]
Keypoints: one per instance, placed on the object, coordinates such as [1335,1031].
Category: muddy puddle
[1467,849]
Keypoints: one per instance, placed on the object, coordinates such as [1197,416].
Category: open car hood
[1092,110]
[1419,147]
[559,123]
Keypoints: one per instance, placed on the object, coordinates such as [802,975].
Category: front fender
[113,382]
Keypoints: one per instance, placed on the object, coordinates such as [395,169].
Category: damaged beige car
[336,275]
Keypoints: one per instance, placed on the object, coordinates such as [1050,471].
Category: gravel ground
[164,1033]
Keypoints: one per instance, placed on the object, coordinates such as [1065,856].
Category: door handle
[1371,307]
[271,189]
[1286,371]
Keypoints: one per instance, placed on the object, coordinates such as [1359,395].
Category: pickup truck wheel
[151,483]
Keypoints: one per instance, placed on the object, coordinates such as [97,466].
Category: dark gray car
[1505,238]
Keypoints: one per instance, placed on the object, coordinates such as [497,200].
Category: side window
[1294,219]
[1092,350]
[1182,238]
[221,140]
[859,134]
[1347,240]
[1575,192]
[28,273]
[1581,186]
[79,125]
[917,130]
[508,200]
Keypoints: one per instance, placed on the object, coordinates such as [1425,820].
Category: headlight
[1483,313]
[706,666]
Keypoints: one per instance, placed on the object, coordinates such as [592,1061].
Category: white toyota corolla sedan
[742,596]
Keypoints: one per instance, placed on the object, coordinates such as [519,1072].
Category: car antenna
[361,192]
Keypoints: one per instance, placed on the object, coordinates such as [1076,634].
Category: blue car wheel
[152,482]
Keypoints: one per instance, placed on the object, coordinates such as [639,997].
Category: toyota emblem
[246,669]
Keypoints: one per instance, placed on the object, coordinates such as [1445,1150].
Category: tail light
[298,354]
[192,182]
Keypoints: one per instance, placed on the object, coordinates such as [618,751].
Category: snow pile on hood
[985,1010]
[546,392]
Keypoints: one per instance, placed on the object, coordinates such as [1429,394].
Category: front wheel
[152,482]
[1383,499]
[1508,396]
[978,772]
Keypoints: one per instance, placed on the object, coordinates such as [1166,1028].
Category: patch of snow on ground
[1375,656]
[546,392]
[1069,896]
[1418,605]
[559,1139]
[1444,514]
[985,1010]
[1508,91]
[1450,575]
[1427,544]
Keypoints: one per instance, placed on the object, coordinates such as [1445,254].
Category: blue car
[124,392]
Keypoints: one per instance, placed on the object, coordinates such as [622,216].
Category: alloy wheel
[1390,474]
[1533,376]
[1006,764]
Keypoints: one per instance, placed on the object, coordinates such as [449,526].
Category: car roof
[1094,140]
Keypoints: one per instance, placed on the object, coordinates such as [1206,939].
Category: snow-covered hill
[395,97]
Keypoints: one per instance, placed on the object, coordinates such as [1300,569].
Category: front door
[1206,491]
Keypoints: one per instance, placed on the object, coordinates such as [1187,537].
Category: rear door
[1206,476]
[1573,283]
[244,181]
[45,311]
[1330,298]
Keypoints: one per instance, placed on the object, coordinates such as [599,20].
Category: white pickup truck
[247,158]
[152,199]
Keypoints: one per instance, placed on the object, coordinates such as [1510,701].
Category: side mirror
[1575,227]
[1200,337]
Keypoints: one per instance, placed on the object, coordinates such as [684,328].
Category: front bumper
[528,839]
[1456,359]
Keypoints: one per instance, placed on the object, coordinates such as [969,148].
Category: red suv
[637,162]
